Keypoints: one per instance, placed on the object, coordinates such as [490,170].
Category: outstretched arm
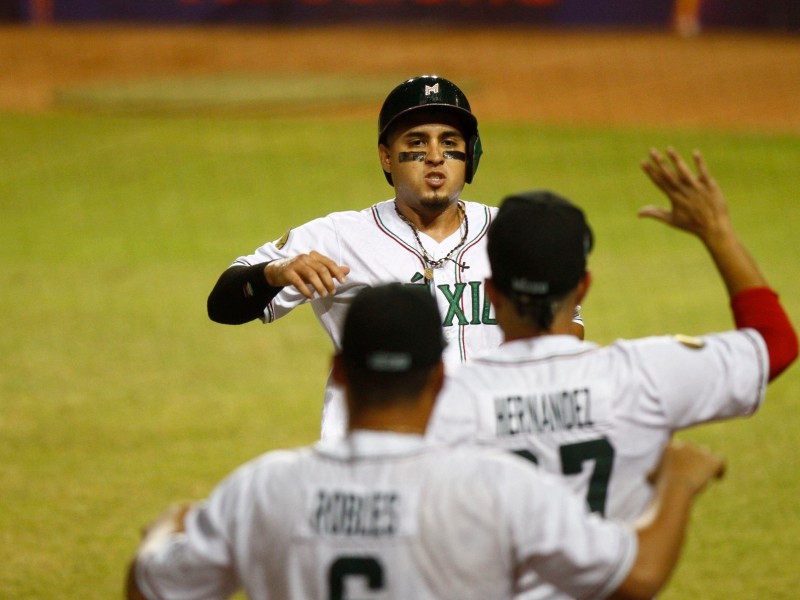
[684,472]
[698,206]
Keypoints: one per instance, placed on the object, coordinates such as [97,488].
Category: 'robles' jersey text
[351,514]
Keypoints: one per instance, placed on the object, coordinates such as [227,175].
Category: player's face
[427,161]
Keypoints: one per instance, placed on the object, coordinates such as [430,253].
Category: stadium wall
[748,14]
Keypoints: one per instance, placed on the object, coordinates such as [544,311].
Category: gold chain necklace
[431,264]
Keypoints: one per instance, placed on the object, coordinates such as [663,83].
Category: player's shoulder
[272,464]
[358,217]
[657,343]
[522,353]
[478,209]
[339,224]
[725,345]
[348,215]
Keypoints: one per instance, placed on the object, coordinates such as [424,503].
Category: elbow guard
[240,295]
[759,309]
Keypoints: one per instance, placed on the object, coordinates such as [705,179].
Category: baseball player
[601,416]
[383,514]
[429,147]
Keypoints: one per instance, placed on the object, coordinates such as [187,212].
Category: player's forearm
[754,304]
[240,295]
[661,534]
[682,474]
[736,266]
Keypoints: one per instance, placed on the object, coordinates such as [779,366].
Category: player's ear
[385,156]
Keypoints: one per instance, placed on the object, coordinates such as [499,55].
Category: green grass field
[119,396]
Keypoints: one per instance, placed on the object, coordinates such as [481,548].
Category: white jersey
[386,516]
[600,417]
[380,248]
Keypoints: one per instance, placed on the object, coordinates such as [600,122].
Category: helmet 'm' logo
[431,89]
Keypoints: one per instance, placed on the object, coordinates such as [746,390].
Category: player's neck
[392,418]
[406,414]
[515,328]
[522,332]
[435,222]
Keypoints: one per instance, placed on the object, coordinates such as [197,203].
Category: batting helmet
[432,91]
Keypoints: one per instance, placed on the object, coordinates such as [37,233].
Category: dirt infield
[716,80]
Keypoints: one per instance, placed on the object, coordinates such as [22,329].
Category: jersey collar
[539,347]
[364,443]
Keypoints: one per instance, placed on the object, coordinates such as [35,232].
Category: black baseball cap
[393,328]
[538,244]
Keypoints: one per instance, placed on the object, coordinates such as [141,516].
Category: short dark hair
[373,389]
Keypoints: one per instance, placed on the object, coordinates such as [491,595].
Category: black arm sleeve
[240,295]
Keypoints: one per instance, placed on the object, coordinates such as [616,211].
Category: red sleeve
[758,308]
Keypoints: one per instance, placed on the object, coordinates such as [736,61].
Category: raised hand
[697,204]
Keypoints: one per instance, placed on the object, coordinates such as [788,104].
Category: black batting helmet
[432,91]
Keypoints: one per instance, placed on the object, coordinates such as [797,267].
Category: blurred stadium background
[144,145]
[746,14]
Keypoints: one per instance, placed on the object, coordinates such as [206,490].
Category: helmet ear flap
[474,151]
